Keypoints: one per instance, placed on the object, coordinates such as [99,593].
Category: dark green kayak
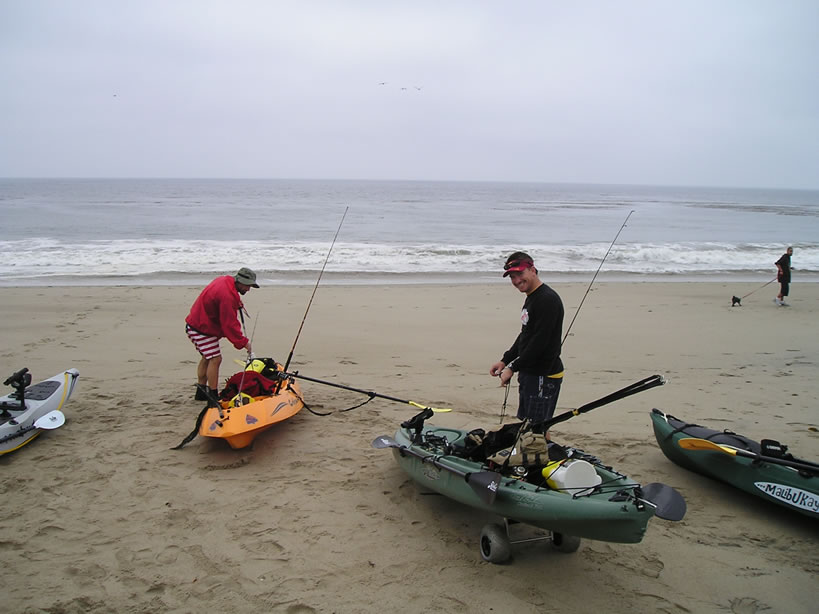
[764,469]
[607,506]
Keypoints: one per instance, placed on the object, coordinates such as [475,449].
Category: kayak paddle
[668,504]
[643,384]
[52,420]
[484,483]
[700,445]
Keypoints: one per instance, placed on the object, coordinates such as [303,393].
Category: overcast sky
[680,92]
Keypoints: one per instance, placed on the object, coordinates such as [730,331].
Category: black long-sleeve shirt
[785,263]
[537,348]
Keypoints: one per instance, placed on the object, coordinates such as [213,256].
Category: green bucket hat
[247,277]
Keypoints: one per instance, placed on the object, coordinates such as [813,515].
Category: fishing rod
[293,349]
[568,330]
[250,355]
[595,277]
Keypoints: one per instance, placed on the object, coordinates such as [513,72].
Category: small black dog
[735,300]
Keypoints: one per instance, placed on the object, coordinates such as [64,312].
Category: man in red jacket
[215,314]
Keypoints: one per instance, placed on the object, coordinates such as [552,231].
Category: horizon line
[403,180]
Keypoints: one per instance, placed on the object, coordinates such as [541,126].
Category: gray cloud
[651,91]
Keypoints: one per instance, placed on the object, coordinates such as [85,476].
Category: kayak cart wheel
[495,544]
[565,543]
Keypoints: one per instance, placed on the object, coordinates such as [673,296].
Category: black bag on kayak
[482,444]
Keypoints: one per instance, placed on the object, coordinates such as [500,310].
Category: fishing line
[249,354]
[293,349]
[595,277]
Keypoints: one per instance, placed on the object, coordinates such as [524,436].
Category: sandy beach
[101,516]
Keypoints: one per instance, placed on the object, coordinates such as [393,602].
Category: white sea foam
[125,231]
[48,258]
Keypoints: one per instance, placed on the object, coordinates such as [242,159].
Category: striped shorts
[207,346]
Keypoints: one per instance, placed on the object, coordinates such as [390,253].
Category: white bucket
[574,477]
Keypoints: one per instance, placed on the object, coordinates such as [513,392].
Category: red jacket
[216,311]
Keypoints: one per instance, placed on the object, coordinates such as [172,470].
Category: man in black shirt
[535,354]
[783,276]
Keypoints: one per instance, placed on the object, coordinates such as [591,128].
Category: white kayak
[30,410]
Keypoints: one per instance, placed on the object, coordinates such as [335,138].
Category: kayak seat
[37,392]
[724,437]
[41,391]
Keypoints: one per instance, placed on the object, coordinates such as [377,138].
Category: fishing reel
[416,423]
[19,381]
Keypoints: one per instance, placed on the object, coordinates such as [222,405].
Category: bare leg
[202,372]
[213,372]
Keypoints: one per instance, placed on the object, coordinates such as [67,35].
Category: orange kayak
[240,419]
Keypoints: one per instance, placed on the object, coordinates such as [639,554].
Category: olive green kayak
[566,491]
[764,469]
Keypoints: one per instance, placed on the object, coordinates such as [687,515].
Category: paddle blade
[692,443]
[52,420]
[668,503]
[437,410]
[383,441]
[485,484]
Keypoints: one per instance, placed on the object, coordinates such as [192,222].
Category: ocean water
[163,231]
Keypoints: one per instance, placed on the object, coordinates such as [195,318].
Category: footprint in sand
[86,574]
[299,608]
[168,556]
[747,605]
[237,463]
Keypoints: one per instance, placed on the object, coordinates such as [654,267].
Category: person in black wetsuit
[535,354]
[783,276]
